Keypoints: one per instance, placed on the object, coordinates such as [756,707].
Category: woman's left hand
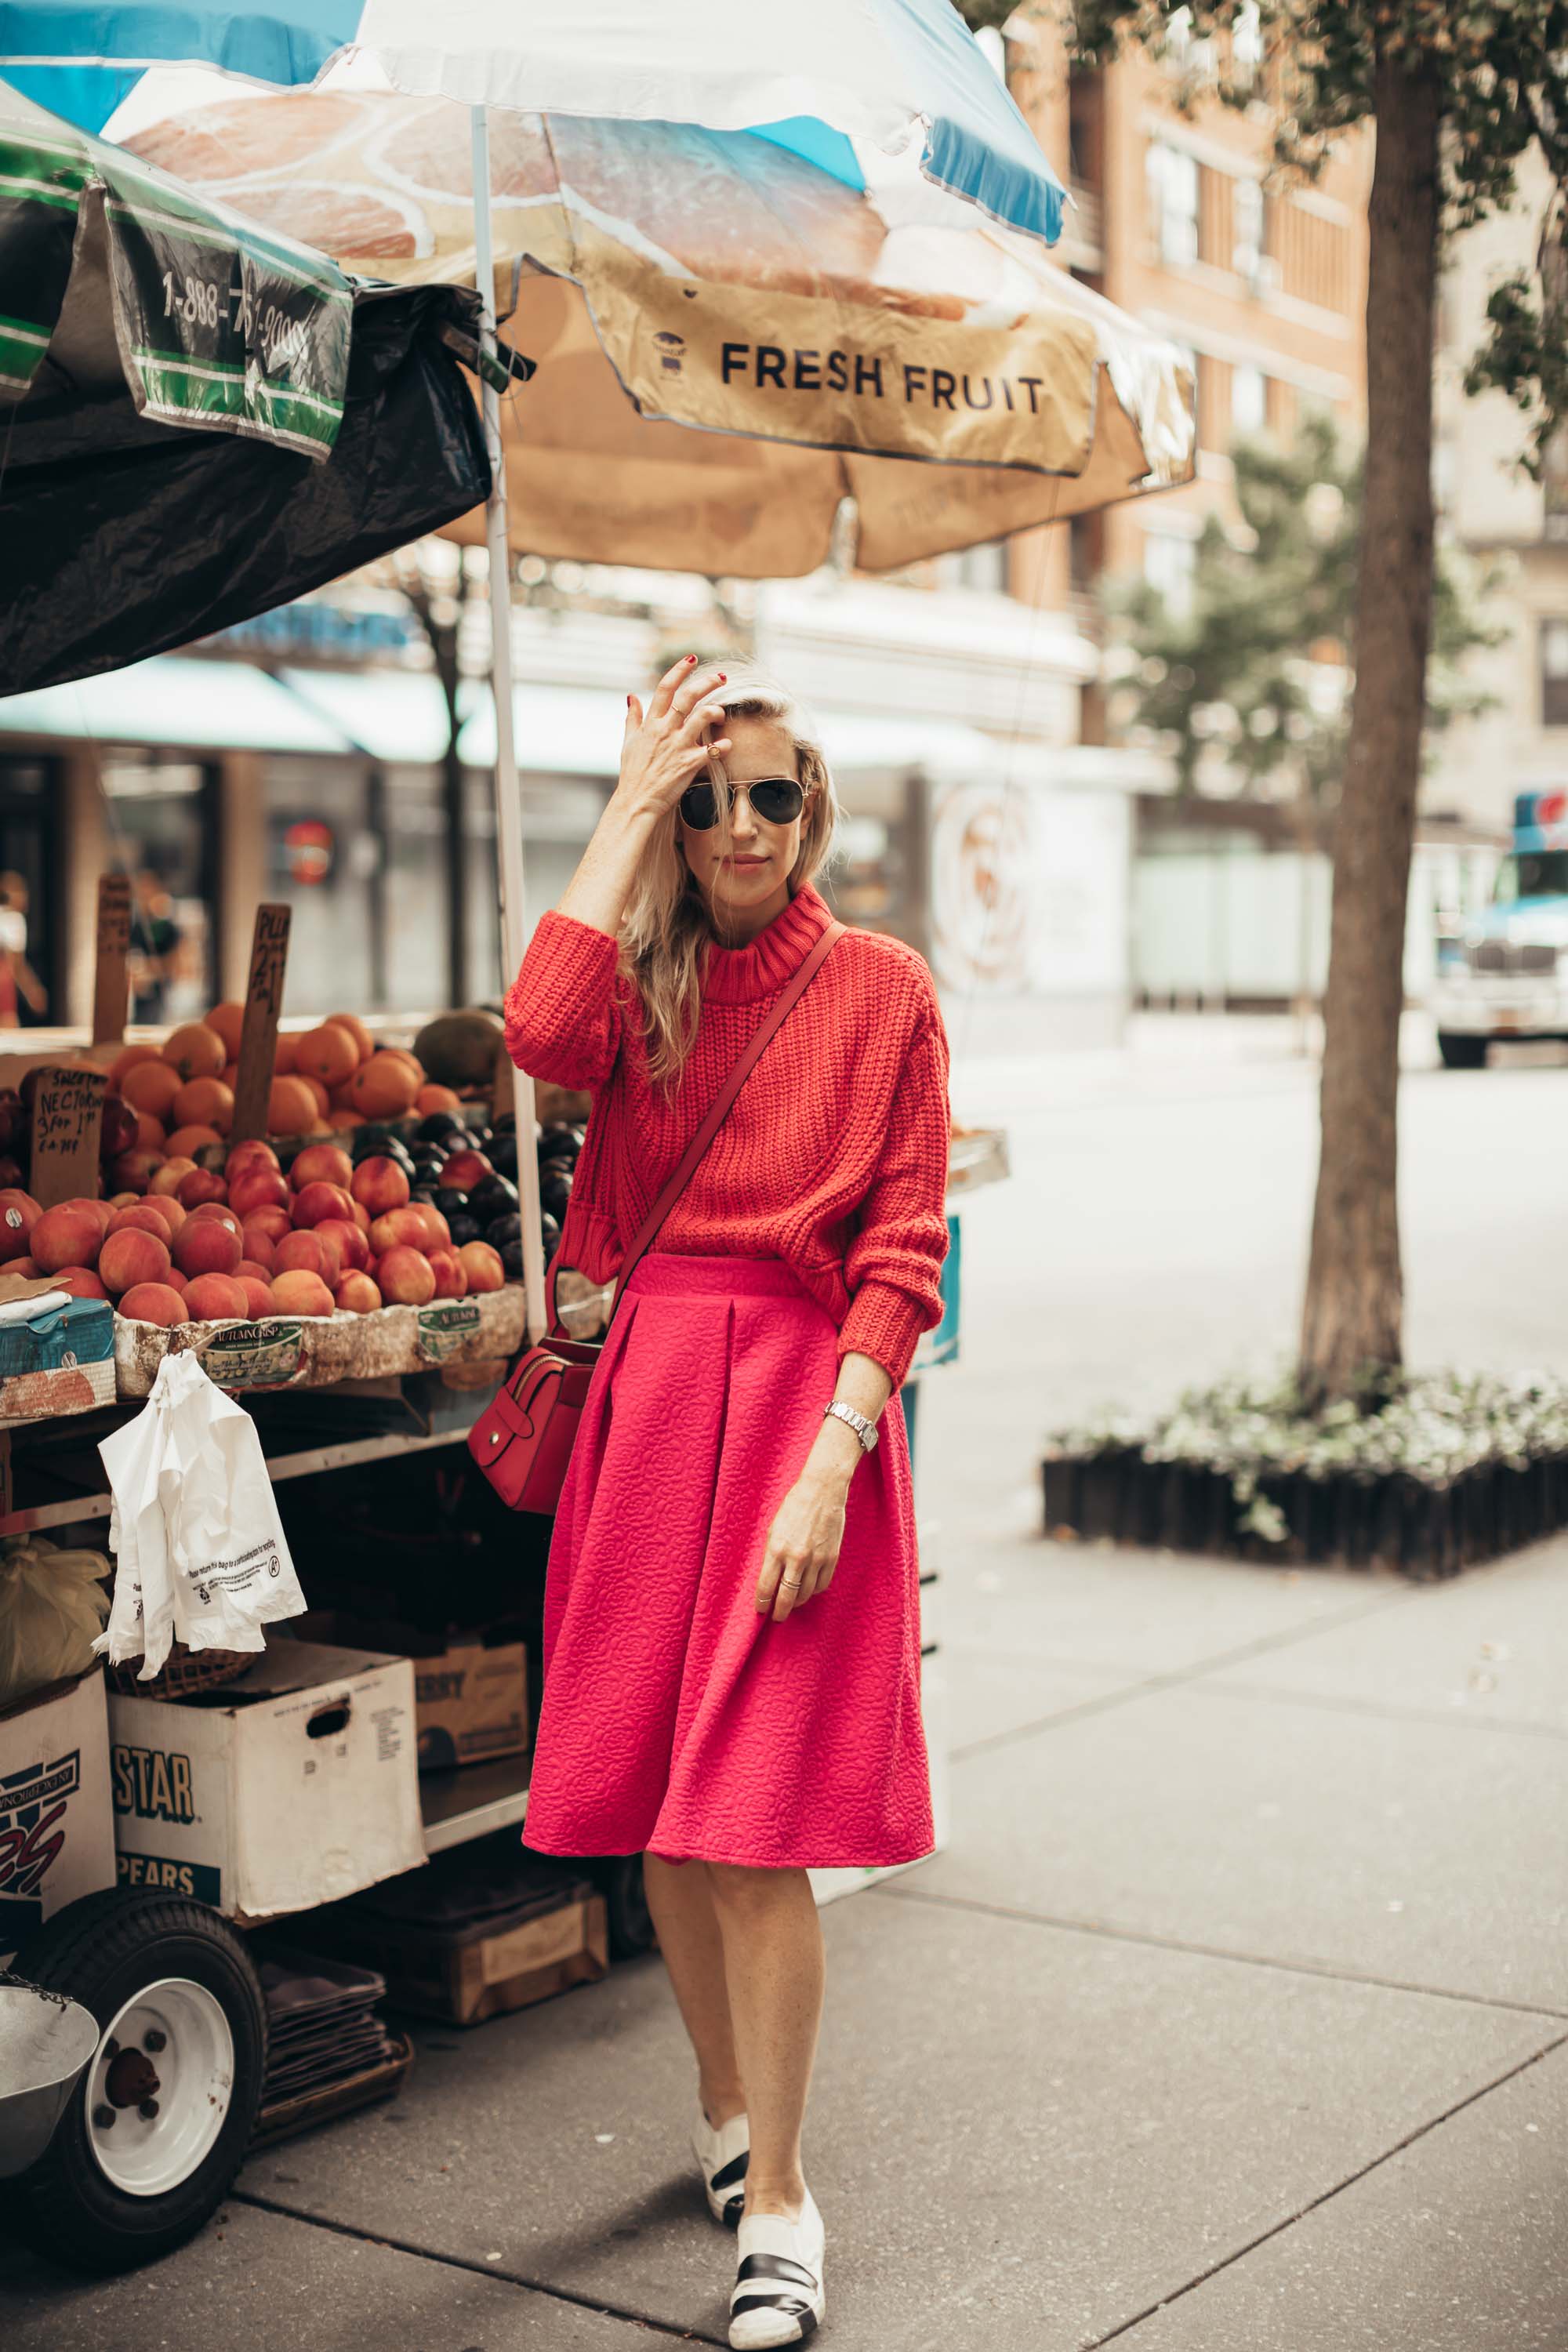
[801,1549]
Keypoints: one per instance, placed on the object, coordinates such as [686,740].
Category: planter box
[282,1351]
[1426,1532]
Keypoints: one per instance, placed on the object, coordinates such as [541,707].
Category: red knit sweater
[834,1157]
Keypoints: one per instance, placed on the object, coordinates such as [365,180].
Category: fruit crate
[317,1352]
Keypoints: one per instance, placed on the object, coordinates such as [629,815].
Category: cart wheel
[618,1877]
[152,2136]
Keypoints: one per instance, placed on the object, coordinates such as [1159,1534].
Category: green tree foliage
[1256,663]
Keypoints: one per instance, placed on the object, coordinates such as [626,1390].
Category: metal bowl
[45,2042]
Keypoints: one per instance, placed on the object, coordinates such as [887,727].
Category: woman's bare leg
[680,1899]
[773,1968]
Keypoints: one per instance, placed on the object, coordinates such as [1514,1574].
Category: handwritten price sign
[67,1123]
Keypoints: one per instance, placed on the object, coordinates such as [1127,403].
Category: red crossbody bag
[522,1442]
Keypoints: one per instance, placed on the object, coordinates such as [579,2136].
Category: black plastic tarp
[121,537]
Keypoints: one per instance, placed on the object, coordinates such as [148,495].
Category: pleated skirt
[675,1717]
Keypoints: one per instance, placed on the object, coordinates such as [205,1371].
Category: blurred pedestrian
[19,984]
[154,946]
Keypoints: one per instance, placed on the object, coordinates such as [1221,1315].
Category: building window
[1554,673]
[984,568]
[1170,559]
[1173,204]
[1249,398]
[1247,230]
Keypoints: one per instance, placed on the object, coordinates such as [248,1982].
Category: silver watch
[865,1430]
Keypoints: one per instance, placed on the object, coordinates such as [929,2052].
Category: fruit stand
[329,1221]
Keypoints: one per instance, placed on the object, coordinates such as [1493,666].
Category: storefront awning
[577,730]
[175,704]
[395,717]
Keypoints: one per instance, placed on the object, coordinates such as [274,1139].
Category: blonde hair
[666,925]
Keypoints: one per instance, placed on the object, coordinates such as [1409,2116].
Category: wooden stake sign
[258,1030]
[111,990]
[67,1125]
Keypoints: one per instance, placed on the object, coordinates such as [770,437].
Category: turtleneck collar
[735,976]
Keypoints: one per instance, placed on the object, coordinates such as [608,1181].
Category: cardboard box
[471,1699]
[56,1831]
[559,1938]
[58,1362]
[295,1786]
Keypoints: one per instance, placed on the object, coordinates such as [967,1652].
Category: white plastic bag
[200,1554]
[52,1604]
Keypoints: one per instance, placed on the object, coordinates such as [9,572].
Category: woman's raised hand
[663,749]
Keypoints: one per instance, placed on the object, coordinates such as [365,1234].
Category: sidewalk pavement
[1235,2020]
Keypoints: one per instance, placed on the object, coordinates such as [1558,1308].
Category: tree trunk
[1351,1322]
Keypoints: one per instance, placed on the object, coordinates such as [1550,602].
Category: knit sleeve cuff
[884,1324]
[561,1017]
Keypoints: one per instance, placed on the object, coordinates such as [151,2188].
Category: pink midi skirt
[675,1717]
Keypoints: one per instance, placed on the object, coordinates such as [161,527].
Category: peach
[185,1142]
[256,1187]
[215,1298]
[79,1280]
[437,1231]
[404,1277]
[151,1087]
[176,1280]
[218,1209]
[290,1107]
[164,1206]
[259,1246]
[203,1184]
[384,1087]
[194,1051]
[275,1222]
[482,1265]
[19,1213]
[257,1289]
[204,1102]
[131,1058]
[250,1270]
[249,1153]
[364,1044]
[300,1254]
[122,1200]
[429,1098]
[381,1184]
[167,1178]
[315,1202]
[400,1227]
[69,1234]
[465,1168]
[362,1216]
[206,1246]
[131,1256]
[227,1021]
[153,1302]
[451,1274]
[330,1055]
[150,1135]
[358,1293]
[334,1263]
[134,1171]
[320,1163]
[299,1292]
[142,1219]
[102,1210]
[352,1244]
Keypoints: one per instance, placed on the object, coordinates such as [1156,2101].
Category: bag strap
[718,1111]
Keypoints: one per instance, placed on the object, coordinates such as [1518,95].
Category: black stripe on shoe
[734,2170]
[800,2312]
[775,2266]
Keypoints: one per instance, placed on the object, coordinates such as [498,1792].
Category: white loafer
[721,2157]
[779,2296]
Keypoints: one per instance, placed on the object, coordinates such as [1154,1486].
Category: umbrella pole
[509,797]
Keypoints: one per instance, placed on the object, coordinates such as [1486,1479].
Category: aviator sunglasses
[777,800]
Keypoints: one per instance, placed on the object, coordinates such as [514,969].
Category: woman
[731,1629]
